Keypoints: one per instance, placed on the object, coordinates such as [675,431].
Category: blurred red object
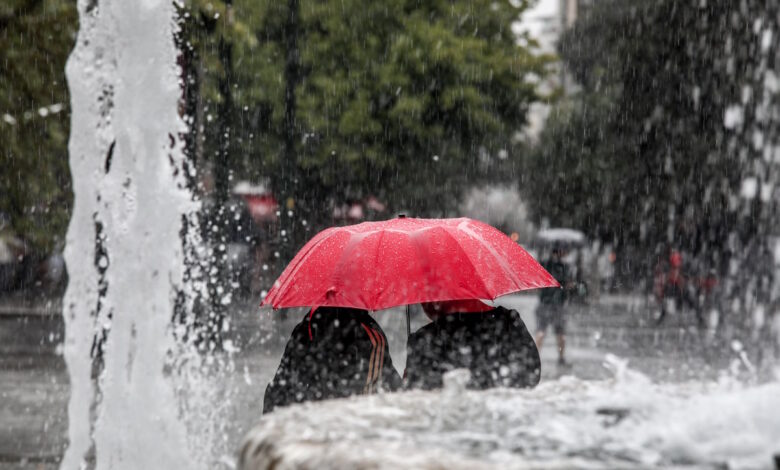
[675,259]
[261,207]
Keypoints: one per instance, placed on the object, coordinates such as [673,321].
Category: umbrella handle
[408,322]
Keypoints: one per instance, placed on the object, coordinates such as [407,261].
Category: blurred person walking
[674,288]
[550,312]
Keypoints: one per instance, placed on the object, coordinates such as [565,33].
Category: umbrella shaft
[408,322]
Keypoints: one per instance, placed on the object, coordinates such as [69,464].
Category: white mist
[124,86]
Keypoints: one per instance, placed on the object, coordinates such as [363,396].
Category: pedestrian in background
[550,312]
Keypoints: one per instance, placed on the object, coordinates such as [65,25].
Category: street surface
[34,381]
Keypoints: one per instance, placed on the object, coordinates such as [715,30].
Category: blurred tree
[335,101]
[577,176]
[639,156]
[36,37]
[405,100]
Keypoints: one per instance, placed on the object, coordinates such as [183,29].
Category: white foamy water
[124,87]
[625,422]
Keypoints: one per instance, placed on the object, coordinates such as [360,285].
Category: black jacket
[555,295]
[336,352]
[495,346]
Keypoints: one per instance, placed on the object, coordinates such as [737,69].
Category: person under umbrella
[492,342]
[332,353]
[377,265]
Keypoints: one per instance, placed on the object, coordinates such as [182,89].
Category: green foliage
[405,100]
[35,40]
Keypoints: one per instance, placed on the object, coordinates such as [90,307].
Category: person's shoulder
[301,330]
[427,330]
[424,333]
[503,312]
[368,320]
[359,321]
[510,315]
[303,324]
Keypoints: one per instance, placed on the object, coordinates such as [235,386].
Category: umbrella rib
[492,251]
[468,258]
[352,244]
[294,269]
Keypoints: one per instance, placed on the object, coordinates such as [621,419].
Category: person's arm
[412,366]
[282,389]
[422,371]
[525,353]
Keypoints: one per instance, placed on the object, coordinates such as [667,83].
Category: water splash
[627,421]
[125,157]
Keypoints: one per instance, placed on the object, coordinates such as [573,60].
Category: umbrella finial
[402,215]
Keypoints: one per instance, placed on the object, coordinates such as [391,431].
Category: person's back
[332,353]
[495,346]
[558,269]
[550,311]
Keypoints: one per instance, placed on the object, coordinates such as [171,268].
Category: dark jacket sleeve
[286,385]
[412,370]
[526,356]
[423,369]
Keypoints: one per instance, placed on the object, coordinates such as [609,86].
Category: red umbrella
[377,265]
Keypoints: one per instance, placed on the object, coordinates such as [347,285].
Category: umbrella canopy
[378,265]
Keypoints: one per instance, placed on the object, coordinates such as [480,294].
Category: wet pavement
[34,382]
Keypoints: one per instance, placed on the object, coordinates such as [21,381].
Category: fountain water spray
[126,158]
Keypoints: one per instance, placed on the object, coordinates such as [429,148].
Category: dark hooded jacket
[555,295]
[332,353]
[494,345]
